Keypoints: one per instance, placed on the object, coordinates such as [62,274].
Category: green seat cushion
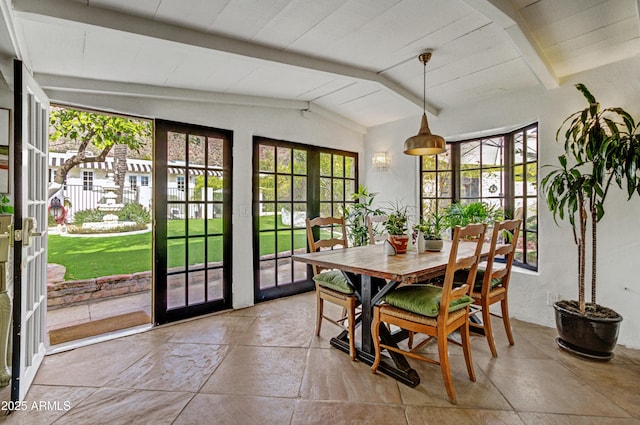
[423,299]
[334,279]
[477,287]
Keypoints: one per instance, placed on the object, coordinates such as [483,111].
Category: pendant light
[424,143]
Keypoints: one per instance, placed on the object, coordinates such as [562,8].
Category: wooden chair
[332,285]
[434,311]
[492,283]
[372,221]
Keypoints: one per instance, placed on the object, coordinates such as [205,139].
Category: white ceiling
[353,58]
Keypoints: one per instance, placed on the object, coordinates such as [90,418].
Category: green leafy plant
[459,214]
[355,216]
[433,225]
[601,146]
[134,212]
[397,219]
[5,205]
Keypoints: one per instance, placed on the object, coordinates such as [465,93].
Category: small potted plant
[430,230]
[396,226]
[6,217]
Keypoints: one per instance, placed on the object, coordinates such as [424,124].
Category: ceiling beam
[60,88]
[48,10]
[502,13]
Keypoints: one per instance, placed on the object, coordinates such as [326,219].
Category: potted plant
[600,146]
[459,214]
[396,226]
[355,216]
[430,230]
[6,217]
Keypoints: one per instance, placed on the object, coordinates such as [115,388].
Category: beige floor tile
[551,419]
[207,409]
[173,367]
[331,375]
[45,404]
[127,407]
[446,416]
[222,329]
[619,382]
[68,316]
[259,371]
[481,394]
[546,386]
[339,413]
[279,331]
[94,365]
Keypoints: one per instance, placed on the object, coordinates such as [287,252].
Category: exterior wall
[245,122]
[619,234]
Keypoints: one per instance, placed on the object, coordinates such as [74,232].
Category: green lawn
[87,258]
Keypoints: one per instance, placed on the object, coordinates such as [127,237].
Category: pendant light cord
[424,88]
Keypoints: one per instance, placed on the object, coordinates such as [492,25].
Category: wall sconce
[381,161]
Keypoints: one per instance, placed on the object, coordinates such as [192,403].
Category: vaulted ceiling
[356,59]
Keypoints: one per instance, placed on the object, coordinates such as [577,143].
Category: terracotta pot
[588,337]
[399,242]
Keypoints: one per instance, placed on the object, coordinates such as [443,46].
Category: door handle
[29,229]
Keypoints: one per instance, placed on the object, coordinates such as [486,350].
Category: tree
[93,130]
[601,146]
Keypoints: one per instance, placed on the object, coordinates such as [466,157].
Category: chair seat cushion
[423,299]
[334,279]
[477,287]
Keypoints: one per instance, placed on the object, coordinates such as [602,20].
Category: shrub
[134,212]
[88,216]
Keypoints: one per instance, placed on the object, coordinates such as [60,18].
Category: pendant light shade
[424,143]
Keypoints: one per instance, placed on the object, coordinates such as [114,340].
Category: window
[144,180]
[180,182]
[500,170]
[133,181]
[292,182]
[87,180]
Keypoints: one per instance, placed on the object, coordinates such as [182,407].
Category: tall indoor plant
[600,147]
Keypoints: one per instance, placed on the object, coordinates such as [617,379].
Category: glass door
[192,239]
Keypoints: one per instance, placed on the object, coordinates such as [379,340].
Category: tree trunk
[594,240]
[120,168]
[582,255]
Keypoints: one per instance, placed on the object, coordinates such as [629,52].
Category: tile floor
[263,365]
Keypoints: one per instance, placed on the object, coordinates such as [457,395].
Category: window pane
[469,184]
[267,244]
[196,151]
[284,243]
[338,165]
[300,216]
[492,182]
[532,214]
[176,254]
[429,185]
[286,219]
[284,160]
[325,189]
[470,154]
[325,164]
[518,180]
[299,188]
[518,148]
[338,190]
[532,178]
[175,291]
[284,188]
[215,152]
[351,189]
[444,184]
[214,251]
[176,147]
[214,284]
[299,162]
[325,209]
[267,221]
[492,152]
[196,287]
[428,162]
[267,187]
[267,274]
[196,252]
[349,167]
[532,144]
[267,158]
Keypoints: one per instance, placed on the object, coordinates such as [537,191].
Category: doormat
[98,327]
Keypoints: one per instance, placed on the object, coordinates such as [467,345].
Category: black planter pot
[587,337]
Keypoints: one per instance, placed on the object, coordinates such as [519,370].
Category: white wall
[245,122]
[619,231]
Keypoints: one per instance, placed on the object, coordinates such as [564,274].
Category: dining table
[373,274]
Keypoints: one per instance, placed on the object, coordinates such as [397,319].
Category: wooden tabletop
[372,261]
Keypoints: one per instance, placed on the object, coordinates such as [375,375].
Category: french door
[192,214]
[293,181]
[31,125]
